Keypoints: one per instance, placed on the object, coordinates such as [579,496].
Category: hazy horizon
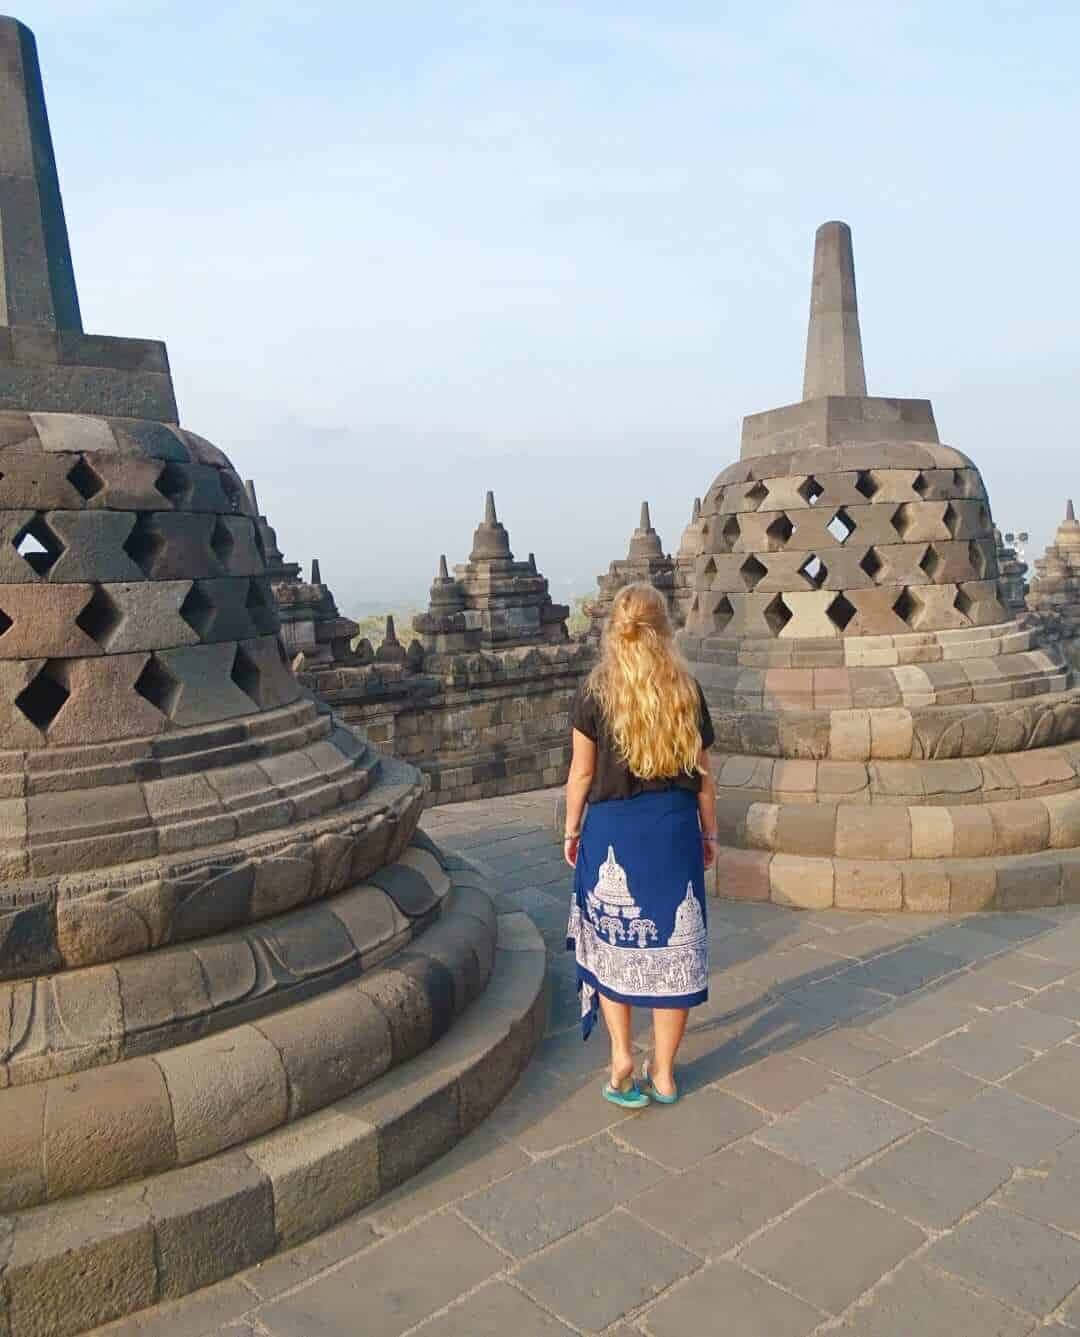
[401,255]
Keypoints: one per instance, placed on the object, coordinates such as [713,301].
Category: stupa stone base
[161,1237]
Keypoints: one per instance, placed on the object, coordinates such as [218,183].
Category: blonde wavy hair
[646,694]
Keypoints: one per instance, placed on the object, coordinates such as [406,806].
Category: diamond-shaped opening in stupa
[813,571]
[866,484]
[86,480]
[976,559]
[951,519]
[908,607]
[840,612]
[729,534]
[753,572]
[931,562]
[198,609]
[38,545]
[871,563]
[841,526]
[101,617]
[756,495]
[159,685]
[722,613]
[920,485]
[810,490]
[45,695]
[222,542]
[145,544]
[779,532]
[963,603]
[246,674]
[777,615]
[174,483]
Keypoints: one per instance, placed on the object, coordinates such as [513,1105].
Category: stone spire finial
[645,541]
[1070,514]
[444,570]
[390,636]
[644,522]
[834,358]
[316,574]
[532,563]
[695,510]
[249,488]
[38,287]
[490,541]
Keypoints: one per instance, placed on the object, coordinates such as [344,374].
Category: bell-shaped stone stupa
[218,922]
[888,736]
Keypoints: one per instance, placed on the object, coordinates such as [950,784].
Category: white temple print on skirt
[613,940]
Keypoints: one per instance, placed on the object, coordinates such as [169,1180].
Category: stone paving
[879,1136]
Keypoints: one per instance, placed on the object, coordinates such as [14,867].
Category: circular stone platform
[217,918]
[887,736]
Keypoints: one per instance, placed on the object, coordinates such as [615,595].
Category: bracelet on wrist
[709,840]
[571,835]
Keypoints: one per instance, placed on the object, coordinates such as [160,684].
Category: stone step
[67,1267]
[899,732]
[138,1116]
[930,886]
[864,831]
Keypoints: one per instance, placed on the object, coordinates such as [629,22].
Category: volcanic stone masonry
[888,736]
[224,945]
[480,702]
[1054,596]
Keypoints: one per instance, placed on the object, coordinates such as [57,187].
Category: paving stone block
[1022,1262]
[1053,1080]
[919,1299]
[385,1284]
[750,1306]
[832,1249]
[922,1085]
[837,1129]
[1001,1123]
[629,1263]
[932,1180]
[727,1197]
[494,1309]
[704,1122]
[548,1199]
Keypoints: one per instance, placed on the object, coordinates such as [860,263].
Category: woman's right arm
[578,783]
[707,808]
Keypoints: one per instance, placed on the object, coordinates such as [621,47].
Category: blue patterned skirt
[637,918]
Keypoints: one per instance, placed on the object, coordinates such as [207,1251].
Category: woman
[641,734]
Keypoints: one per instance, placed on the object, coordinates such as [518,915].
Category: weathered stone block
[869,885]
[872,832]
[210,1221]
[224,1090]
[106,1125]
[319,1173]
[329,1047]
[807,883]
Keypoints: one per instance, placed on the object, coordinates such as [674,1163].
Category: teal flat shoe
[632,1099]
[651,1091]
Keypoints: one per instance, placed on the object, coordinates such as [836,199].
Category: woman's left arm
[578,783]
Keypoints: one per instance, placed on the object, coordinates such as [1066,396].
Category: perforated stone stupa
[480,700]
[646,561]
[1054,595]
[888,736]
[224,946]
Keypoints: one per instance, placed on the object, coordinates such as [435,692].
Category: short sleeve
[708,733]
[583,714]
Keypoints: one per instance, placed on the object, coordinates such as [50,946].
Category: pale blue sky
[405,252]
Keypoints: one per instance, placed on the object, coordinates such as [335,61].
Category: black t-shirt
[613,778]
